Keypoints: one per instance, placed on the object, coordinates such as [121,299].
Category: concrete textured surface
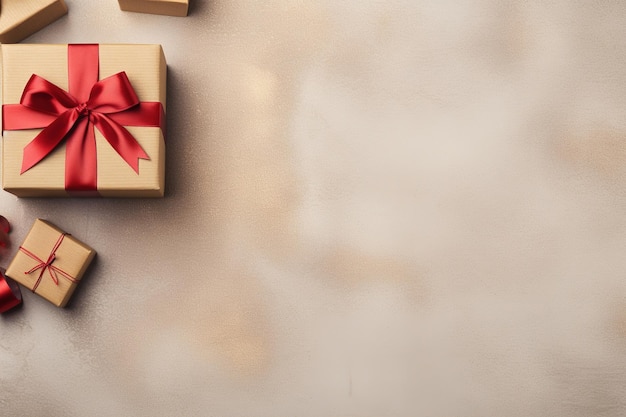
[400,208]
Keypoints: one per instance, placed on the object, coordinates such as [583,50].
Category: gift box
[83,120]
[165,7]
[21,18]
[50,262]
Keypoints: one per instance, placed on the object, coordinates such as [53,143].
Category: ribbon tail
[48,139]
[121,140]
[81,165]
[112,94]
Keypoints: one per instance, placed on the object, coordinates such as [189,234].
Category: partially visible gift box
[83,120]
[50,262]
[21,18]
[165,7]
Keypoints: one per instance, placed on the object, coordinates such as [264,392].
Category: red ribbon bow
[47,265]
[107,105]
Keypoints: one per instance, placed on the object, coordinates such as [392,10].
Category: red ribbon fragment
[108,105]
[42,266]
[5,228]
[10,295]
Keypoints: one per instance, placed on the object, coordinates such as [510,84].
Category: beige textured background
[400,208]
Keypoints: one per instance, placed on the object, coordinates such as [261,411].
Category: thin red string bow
[42,266]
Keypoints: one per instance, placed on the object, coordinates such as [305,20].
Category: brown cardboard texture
[21,18]
[164,7]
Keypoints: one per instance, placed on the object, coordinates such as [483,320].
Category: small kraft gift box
[164,7]
[21,18]
[10,294]
[50,262]
[83,120]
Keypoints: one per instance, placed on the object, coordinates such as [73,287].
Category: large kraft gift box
[83,120]
[21,18]
[50,262]
[164,7]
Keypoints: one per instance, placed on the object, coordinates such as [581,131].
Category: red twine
[47,265]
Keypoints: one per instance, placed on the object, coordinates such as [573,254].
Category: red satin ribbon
[10,295]
[5,228]
[42,266]
[106,104]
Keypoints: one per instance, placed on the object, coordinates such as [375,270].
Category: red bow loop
[112,94]
[49,138]
[43,96]
[120,139]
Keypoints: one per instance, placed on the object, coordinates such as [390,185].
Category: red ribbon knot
[42,266]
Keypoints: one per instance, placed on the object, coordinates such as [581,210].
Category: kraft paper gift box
[50,262]
[165,7]
[21,18]
[83,120]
